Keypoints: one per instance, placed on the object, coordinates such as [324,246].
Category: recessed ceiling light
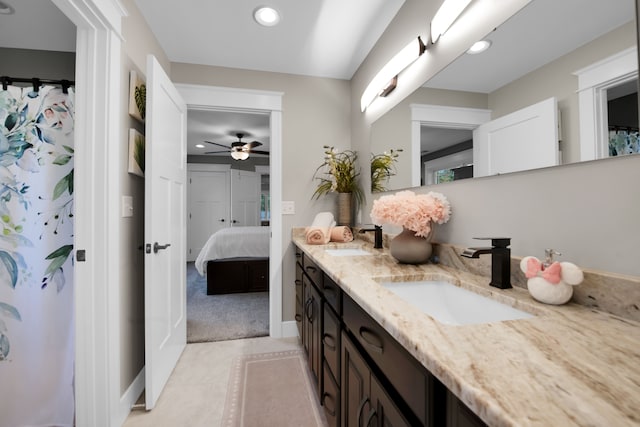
[266,16]
[479,47]
[199,146]
[5,9]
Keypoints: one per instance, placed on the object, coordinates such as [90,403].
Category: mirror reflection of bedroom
[228,214]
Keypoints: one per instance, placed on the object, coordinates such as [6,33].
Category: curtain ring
[36,84]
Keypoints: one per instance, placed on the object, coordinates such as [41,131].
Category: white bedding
[234,242]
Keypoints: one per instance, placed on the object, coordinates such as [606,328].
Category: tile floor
[195,393]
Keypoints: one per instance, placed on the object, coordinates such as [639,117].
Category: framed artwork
[137,96]
[136,152]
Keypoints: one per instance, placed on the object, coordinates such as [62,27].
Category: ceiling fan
[239,150]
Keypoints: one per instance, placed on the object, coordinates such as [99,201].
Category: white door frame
[442,117]
[593,82]
[98,132]
[224,98]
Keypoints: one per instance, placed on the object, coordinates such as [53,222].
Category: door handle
[221,220]
[157,247]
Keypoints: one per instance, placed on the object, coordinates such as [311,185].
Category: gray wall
[43,64]
[588,211]
[138,42]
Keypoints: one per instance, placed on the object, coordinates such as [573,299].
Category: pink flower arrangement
[413,211]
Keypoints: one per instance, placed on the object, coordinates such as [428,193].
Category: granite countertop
[569,365]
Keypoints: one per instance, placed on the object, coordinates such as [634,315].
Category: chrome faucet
[500,260]
[377,237]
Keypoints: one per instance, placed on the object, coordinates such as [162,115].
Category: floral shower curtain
[622,142]
[36,270]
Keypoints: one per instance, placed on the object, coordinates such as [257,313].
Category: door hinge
[81,255]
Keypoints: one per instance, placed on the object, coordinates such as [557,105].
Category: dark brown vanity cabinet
[407,384]
[365,400]
[364,377]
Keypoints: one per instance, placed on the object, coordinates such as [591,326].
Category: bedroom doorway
[228,241]
[240,111]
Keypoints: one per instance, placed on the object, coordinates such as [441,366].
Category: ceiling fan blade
[253,144]
[215,152]
[259,152]
[220,145]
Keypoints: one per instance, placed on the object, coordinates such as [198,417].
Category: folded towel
[341,234]
[319,233]
[323,220]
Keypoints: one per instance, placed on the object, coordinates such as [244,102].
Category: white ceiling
[322,38]
[37,24]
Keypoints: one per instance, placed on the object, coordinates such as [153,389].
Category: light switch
[127,206]
[288,208]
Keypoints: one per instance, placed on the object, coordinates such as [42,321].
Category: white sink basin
[347,252]
[452,305]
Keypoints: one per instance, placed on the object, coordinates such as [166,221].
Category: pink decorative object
[536,269]
[412,211]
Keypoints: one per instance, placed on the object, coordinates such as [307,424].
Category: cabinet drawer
[331,341]
[401,370]
[332,294]
[313,271]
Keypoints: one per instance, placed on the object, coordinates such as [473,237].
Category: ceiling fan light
[239,154]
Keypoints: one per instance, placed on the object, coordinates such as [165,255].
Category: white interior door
[165,225]
[209,208]
[525,139]
[245,198]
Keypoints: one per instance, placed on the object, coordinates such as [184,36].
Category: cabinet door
[330,399]
[306,322]
[315,341]
[331,341]
[299,298]
[384,412]
[355,385]
[311,325]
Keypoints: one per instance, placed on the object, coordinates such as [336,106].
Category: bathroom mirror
[536,55]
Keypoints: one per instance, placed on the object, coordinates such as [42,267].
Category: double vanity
[432,345]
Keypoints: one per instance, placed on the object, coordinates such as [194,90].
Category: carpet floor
[223,317]
[272,389]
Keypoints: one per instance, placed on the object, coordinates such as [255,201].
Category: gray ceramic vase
[408,248]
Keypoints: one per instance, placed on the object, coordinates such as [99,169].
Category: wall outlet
[288,208]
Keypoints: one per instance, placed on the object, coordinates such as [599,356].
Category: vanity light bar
[380,83]
[445,16]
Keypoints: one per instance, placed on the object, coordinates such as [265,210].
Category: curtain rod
[36,82]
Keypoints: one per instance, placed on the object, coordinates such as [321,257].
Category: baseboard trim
[130,397]
[289,329]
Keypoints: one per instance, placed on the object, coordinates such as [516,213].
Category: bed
[236,260]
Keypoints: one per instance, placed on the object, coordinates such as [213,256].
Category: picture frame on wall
[136,152]
[137,96]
